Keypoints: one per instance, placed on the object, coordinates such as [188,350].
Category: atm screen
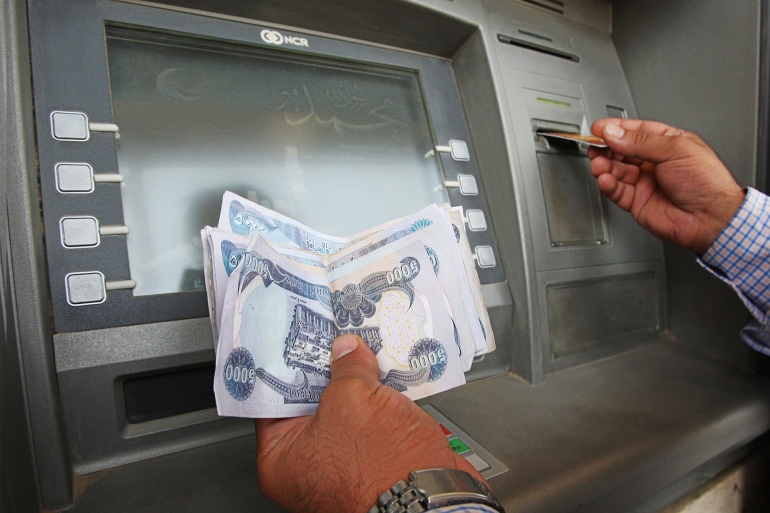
[339,146]
[154,114]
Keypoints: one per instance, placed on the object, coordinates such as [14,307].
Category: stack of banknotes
[279,293]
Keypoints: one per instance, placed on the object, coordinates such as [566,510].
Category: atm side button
[445,430]
[485,256]
[74,178]
[467,184]
[476,220]
[85,288]
[478,463]
[79,232]
[458,446]
[459,150]
[75,126]
[69,126]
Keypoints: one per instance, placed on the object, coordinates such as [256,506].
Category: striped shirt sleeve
[740,256]
[466,508]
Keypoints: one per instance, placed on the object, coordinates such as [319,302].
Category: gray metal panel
[27,278]
[91,369]
[594,13]
[697,68]
[218,477]
[528,75]
[575,94]
[18,480]
[407,25]
[689,483]
[92,366]
[694,64]
[762,181]
[478,82]
[599,306]
[605,436]
[497,297]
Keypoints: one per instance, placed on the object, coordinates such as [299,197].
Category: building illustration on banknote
[308,345]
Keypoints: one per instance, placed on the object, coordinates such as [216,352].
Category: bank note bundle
[280,292]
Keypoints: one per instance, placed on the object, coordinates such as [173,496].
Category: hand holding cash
[280,293]
[363,438]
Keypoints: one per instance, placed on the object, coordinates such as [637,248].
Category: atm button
[85,288]
[69,126]
[458,446]
[459,150]
[79,232]
[478,463]
[476,220]
[445,430]
[485,256]
[468,186]
[74,178]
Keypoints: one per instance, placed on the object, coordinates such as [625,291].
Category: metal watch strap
[451,487]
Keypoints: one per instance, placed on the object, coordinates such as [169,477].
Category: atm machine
[613,386]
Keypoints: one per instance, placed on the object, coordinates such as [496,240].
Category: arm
[676,187]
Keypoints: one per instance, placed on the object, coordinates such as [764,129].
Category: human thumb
[352,359]
[645,146]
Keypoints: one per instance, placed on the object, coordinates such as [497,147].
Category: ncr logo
[274,37]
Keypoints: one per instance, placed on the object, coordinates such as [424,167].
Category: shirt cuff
[757,336]
[466,508]
[741,253]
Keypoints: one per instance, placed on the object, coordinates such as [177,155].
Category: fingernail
[343,346]
[614,131]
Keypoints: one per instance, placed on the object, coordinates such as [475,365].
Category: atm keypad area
[577,371]
[461,443]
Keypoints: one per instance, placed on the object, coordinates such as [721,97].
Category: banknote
[208,278]
[249,219]
[473,283]
[440,243]
[281,316]
[226,250]
[222,252]
[241,214]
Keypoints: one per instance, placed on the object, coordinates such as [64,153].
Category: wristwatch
[435,488]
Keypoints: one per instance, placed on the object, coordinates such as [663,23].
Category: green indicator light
[458,446]
[555,102]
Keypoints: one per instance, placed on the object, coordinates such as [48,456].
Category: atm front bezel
[70,73]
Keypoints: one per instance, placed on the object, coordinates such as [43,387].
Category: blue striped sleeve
[740,256]
[467,508]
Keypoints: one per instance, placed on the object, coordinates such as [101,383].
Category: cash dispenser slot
[168,394]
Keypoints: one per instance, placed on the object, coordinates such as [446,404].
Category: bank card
[590,140]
